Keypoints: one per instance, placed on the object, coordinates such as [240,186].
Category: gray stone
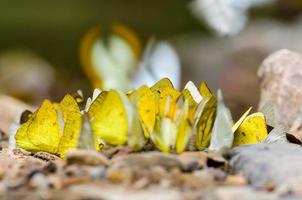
[279,165]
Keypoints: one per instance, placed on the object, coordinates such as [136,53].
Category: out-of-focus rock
[156,167]
[92,172]
[235,180]
[269,166]
[25,75]
[86,157]
[17,168]
[238,193]
[281,80]
[10,108]
[193,160]
[115,192]
[149,160]
[39,181]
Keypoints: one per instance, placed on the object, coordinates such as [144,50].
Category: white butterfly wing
[222,134]
[226,17]
[160,60]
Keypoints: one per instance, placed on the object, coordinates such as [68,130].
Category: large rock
[269,165]
[281,83]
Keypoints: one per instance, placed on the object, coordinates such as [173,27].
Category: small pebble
[148,160]
[39,181]
[51,167]
[97,172]
[235,180]
[46,156]
[86,157]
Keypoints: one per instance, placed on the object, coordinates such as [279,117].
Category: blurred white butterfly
[112,59]
[160,60]
[226,17]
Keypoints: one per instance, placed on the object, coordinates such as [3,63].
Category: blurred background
[39,44]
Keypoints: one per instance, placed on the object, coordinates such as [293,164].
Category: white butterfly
[115,62]
[226,17]
[222,135]
[159,60]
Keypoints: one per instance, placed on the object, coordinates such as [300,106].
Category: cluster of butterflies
[157,117]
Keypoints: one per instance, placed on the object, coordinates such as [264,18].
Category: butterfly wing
[72,124]
[251,131]
[160,60]
[108,118]
[222,134]
[204,90]
[164,134]
[109,59]
[136,139]
[86,138]
[145,102]
[184,130]
[277,135]
[41,132]
[193,96]
[163,90]
[242,118]
[205,122]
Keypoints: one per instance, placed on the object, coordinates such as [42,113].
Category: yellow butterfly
[136,114]
[54,128]
[110,56]
[173,134]
[184,129]
[205,90]
[249,129]
[114,119]
[108,118]
[163,90]
[204,117]
[252,130]
[146,104]
[193,96]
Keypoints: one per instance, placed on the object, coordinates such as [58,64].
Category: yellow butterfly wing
[95,104]
[205,123]
[145,102]
[163,90]
[251,131]
[22,139]
[193,96]
[72,124]
[41,132]
[136,139]
[184,130]
[163,83]
[242,118]
[164,134]
[108,119]
[205,90]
